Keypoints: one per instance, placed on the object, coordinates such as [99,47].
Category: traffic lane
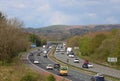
[44,62]
[96,68]
[73,75]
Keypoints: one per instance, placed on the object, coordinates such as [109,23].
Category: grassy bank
[17,71]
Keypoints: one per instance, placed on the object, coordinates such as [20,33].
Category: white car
[76,60]
[90,66]
[36,62]
[49,67]
[71,55]
[50,47]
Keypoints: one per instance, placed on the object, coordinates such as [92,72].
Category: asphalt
[96,68]
[73,75]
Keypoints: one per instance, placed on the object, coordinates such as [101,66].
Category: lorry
[63,70]
[69,49]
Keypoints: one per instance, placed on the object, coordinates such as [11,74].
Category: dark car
[56,66]
[38,54]
[98,78]
[85,65]
[45,55]
[31,54]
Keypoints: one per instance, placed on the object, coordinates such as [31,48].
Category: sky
[41,13]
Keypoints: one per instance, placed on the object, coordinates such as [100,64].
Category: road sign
[76,47]
[33,46]
[112,59]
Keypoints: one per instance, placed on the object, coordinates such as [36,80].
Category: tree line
[13,39]
[98,46]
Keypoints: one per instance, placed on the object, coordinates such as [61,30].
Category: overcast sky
[40,13]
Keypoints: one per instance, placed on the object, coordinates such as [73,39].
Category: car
[31,54]
[45,51]
[45,55]
[90,65]
[38,54]
[70,52]
[56,66]
[98,77]
[49,67]
[50,47]
[76,60]
[85,65]
[36,62]
[71,55]
[57,50]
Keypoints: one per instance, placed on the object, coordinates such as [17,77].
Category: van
[63,70]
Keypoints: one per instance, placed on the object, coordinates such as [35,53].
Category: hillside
[61,32]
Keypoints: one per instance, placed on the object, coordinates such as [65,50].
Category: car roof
[56,64]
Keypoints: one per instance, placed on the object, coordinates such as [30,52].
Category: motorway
[96,68]
[72,76]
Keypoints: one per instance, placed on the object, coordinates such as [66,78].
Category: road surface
[73,74]
[96,68]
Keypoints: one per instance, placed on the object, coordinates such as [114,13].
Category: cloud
[111,20]
[12,5]
[92,14]
[19,6]
[77,3]
[44,8]
[49,12]
[60,18]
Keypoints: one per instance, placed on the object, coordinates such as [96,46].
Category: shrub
[50,78]
[29,77]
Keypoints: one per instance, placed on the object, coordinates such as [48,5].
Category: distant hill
[61,32]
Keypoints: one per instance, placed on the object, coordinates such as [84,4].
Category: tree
[35,39]
[2,18]
[74,41]
[84,45]
[96,42]
[12,39]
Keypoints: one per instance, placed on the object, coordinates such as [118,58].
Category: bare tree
[12,38]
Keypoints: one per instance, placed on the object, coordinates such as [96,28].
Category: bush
[29,77]
[50,78]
